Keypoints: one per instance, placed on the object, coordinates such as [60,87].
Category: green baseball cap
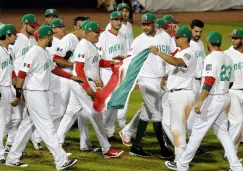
[92,26]
[214,37]
[45,31]
[30,19]
[238,33]
[57,23]
[170,19]
[122,5]
[183,32]
[7,29]
[161,23]
[116,15]
[83,24]
[148,18]
[51,12]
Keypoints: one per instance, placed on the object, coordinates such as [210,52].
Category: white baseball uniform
[200,54]
[219,66]
[87,53]
[6,95]
[19,49]
[235,116]
[69,43]
[181,97]
[37,65]
[126,30]
[111,46]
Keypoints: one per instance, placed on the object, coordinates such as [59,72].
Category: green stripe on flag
[120,95]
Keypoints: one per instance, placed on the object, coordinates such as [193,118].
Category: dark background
[5,4]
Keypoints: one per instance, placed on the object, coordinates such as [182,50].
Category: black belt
[90,79]
[179,89]
[197,78]
[236,89]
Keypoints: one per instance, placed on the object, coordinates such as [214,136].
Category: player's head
[78,21]
[214,40]
[197,28]
[92,31]
[8,34]
[172,24]
[45,35]
[80,33]
[58,27]
[125,10]
[29,24]
[237,38]
[182,36]
[50,14]
[116,18]
[161,24]
[148,23]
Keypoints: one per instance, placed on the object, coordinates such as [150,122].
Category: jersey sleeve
[80,54]
[188,58]
[132,50]
[172,45]
[64,46]
[209,68]
[28,63]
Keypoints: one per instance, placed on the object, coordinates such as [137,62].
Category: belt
[197,78]
[179,89]
[90,79]
[236,89]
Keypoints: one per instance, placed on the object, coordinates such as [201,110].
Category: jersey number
[225,73]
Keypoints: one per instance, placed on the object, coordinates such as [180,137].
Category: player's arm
[207,85]
[61,61]
[169,59]
[106,63]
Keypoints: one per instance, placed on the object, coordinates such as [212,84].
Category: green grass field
[43,160]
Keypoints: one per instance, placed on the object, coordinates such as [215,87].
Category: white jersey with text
[126,30]
[154,66]
[20,48]
[237,58]
[182,77]
[6,67]
[219,66]
[37,64]
[87,53]
[200,54]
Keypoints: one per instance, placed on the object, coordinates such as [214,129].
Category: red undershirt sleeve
[79,68]
[13,75]
[57,57]
[61,73]
[22,74]
[105,63]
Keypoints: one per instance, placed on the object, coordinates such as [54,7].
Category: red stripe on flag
[101,96]
[28,66]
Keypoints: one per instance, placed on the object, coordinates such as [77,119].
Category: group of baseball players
[49,79]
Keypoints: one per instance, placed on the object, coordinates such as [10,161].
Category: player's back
[221,66]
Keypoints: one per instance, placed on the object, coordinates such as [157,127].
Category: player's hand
[90,92]
[227,109]
[77,79]
[99,83]
[15,102]
[120,58]
[154,50]
[14,80]
[114,62]
[174,27]
[198,107]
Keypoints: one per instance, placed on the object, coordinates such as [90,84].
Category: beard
[238,46]
[196,38]
[49,44]
[28,32]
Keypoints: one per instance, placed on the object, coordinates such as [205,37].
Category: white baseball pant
[39,118]
[180,103]
[5,109]
[235,116]
[212,113]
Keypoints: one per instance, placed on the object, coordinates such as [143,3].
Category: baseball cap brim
[174,22]
[63,25]
[175,35]
[147,22]
[98,31]
[35,25]
[117,18]
[234,36]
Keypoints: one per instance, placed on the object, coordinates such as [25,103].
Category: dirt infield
[14,16]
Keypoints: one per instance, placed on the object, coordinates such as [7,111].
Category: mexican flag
[123,80]
[26,65]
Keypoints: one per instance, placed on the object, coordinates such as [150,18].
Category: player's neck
[240,49]
[215,49]
[184,46]
[114,31]
[124,22]
[42,44]
[25,33]
[4,44]
[58,37]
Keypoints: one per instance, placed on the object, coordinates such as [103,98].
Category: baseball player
[7,37]
[87,63]
[161,24]
[34,78]
[50,14]
[126,27]
[172,24]
[218,73]
[113,45]
[64,57]
[180,86]
[149,83]
[235,115]
[23,43]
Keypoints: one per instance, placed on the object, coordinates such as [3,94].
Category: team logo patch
[209,67]
[187,56]
[26,65]
[234,32]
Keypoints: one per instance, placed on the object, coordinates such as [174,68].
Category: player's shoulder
[108,26]
[229,51]
[68,37]
[34,51]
